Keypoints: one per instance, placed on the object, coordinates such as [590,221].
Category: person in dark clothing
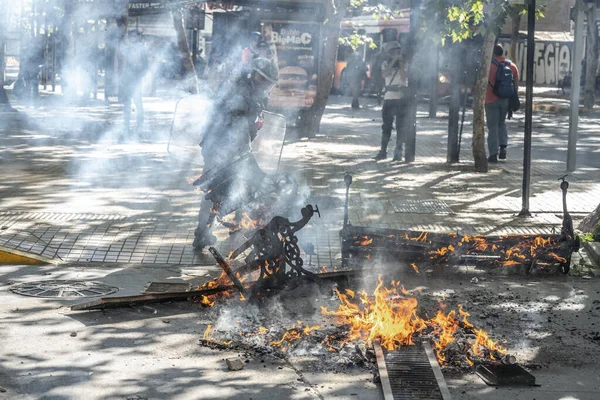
[395,106]
[4,102]
[497,108]
[135,58]
[355,72]
[232,128]
[28,81]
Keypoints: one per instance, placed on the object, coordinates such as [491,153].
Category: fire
[208,333]
[248,223]
[365,241]
[421,238]
[414,266]
[391,317]
[558,258]
[206,301]
[262,330]
[392,322]
[292,334]
[483,341]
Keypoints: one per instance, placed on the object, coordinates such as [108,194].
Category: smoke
[94,53]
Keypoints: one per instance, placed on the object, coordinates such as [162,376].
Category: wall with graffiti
[552,60]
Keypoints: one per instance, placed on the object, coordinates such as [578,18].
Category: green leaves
[356,40]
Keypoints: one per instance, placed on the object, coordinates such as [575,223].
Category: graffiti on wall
[552,60]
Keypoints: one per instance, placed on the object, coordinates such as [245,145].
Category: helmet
[255,36]
[264,75]
[265,68]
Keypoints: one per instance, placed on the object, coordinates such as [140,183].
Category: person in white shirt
[395,104]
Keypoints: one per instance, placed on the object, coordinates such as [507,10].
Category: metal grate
[421,206]
[411,373]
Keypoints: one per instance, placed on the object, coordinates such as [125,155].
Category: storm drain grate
[63,288]
[411,373]
[421,207]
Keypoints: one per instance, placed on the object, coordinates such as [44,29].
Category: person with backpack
[395,105]
[501,92]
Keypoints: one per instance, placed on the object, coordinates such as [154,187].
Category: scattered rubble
[235,364]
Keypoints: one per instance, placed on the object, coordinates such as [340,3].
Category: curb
[10,256]
[550,108]
[564,110]
[593,250]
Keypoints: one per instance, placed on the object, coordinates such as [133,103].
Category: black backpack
[505,85]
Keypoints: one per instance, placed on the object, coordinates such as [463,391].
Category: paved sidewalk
[71,191]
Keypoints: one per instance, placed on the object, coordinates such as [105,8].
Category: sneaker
[502,155]
[397,156]
[382,155]
[493,158]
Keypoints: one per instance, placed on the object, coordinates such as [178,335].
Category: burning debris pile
[528,253]
[390,316]
[440,248]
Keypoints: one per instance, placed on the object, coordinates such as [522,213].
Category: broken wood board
[146,298]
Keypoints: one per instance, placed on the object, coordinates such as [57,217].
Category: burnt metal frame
[414,250]
[275,252]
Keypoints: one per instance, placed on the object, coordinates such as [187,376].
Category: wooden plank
[127,301]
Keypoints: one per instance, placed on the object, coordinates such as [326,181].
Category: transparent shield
[187,127]
[268,145]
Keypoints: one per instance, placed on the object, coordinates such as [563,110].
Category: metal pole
[575,87]
[528,109]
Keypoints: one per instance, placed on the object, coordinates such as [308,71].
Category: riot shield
[187,127]
[268,145]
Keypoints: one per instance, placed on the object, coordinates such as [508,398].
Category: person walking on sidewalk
[395,104]
[135,59]
[503,84]
[356,71]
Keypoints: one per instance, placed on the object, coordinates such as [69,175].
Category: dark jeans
[495,114]
[355,87]
[393,109]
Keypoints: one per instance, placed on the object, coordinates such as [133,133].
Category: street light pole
[575,88]
[528,109]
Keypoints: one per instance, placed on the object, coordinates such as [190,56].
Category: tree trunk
[514,37]
[414,44]
[479,154]
[334,13]
[184,49]
[454,106]
[4,15]
[591,58]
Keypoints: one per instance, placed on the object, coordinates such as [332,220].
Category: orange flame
[390,316]
[365,241]
[208,333]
